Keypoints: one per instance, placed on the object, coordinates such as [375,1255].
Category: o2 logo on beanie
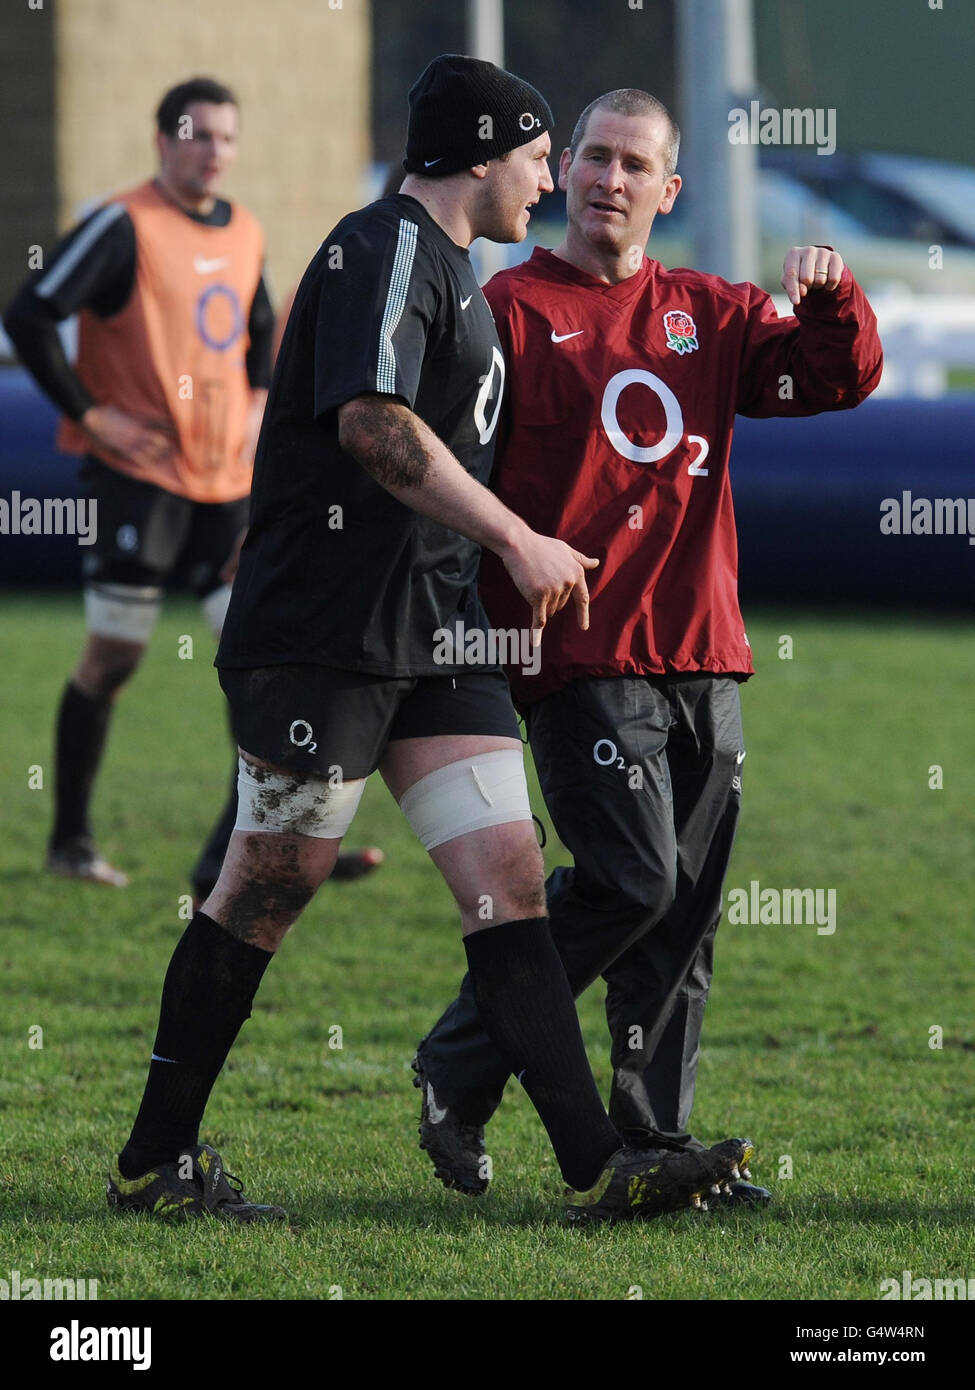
[526,121]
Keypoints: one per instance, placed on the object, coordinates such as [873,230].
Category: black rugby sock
[82,728]
[206,999]
[527,1010]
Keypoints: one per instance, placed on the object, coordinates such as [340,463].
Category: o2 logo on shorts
[127,538]
[219,320]
[605,753]
[301,733]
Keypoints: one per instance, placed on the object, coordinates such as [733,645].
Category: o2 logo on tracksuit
[606,754]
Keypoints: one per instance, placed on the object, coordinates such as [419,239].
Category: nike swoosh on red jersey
[561,337]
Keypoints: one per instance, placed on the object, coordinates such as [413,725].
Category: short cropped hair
[630,101]
[177,99]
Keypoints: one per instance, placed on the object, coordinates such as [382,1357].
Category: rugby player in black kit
[369,507]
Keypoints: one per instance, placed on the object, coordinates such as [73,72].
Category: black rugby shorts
[314,719]
[148,536]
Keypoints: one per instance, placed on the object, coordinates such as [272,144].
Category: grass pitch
[849,1057]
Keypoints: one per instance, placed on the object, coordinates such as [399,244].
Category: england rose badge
[681,332]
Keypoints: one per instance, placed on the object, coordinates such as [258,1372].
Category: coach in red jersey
[625,379]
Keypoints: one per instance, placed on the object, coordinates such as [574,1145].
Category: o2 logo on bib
[219,320]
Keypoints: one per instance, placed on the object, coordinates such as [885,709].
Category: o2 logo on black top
[485,427]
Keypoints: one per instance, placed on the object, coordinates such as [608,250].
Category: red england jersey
[615,436]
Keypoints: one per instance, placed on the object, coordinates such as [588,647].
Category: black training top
[336,571]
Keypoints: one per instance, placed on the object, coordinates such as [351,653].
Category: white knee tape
[215,608]
[287,805]
[468,795]
[126,611]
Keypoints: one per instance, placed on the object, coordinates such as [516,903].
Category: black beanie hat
[464,112]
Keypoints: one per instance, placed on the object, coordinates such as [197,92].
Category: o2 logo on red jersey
[673,422]
[219,320]
[681,332]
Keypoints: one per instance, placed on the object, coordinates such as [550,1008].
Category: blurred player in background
[165,402]
[382,416]
[625,379]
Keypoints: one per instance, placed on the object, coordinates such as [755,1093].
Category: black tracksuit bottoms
[642,780]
